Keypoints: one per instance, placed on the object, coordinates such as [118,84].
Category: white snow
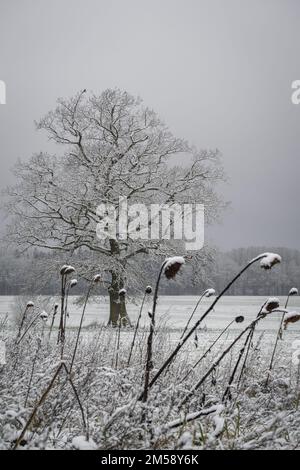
[80,443]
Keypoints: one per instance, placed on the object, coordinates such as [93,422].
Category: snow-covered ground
[175,310]
[263,412]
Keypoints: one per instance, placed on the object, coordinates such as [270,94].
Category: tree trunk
[117,301]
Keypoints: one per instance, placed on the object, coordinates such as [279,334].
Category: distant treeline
[19,274]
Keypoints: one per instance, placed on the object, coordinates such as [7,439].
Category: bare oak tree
[111,146]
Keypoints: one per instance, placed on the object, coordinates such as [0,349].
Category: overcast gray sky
[218,72]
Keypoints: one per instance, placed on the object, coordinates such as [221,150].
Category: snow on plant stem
[271,260]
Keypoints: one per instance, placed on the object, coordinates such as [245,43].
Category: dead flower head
[290,317]
[172,266]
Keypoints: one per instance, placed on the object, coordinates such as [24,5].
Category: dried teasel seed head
[269,260]
[239,319]
[63,269]
[69,270]
[293,291]
[173,266]
[97,278]
[210,292]
[44,315]
[30,304]
[290,317]
[148,290]
[73,283]
[271,304]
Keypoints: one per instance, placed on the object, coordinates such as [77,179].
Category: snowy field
[262,412]
[174,311]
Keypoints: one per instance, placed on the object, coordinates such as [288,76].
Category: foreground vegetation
[156,388]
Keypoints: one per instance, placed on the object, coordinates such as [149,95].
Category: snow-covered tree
[111,146]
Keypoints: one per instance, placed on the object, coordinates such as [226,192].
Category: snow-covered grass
[257,417]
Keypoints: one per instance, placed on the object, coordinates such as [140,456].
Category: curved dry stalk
[211,307]
[207,351]
[21,324]
[242,350]
[61,333]
[28,328]
[53,319]
[217,362]
[118,341]
[43,398]
[248,342]
[192,314]
[279,333]
[136,330]
[80,325]
[32,371]
[39,403]
[148,367]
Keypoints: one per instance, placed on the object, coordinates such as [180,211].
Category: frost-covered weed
[256,417]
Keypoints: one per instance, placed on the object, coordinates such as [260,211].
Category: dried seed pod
[290,317]
[269,260]
[293,291]
[239,319]
[172,266]
[97,278]
[271,304]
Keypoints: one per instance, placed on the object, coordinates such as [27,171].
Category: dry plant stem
[43,398]
[39,403]
[82,387]
[32,372]
[207,351]
[62,309]
[276,343]
[21,324]
[246,356]
[144,395]
[211,307]
[80,325]
[248,342]
[188,419]
[118,342]
[192,314]
[227,393]
[136,330]
[28,328]
[66,308]
[217,362]
[79,402]
[52,322]
[65,320]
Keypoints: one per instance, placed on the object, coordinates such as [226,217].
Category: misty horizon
[214,74]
